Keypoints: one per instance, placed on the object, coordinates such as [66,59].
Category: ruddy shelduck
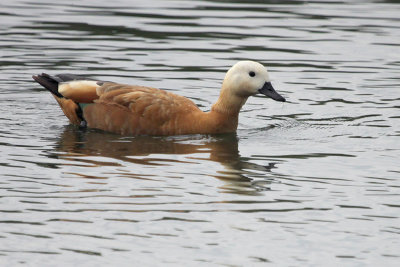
[139,110]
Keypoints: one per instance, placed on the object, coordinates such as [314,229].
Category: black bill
[269,91]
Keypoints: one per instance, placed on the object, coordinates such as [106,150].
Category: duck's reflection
[240,176]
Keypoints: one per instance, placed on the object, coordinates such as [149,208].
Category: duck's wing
[128,109]
[119,108]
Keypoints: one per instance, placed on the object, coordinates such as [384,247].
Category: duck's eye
[252,73]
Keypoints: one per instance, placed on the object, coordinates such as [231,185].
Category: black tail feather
[51,82]
[48,82]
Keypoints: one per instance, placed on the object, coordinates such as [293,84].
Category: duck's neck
[224,114]
[228,104]
[223,117]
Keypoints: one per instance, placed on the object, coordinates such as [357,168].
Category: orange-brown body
[136,110]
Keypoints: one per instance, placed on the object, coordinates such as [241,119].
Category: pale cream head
[246,78]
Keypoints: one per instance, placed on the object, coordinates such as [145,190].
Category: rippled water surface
[311,182]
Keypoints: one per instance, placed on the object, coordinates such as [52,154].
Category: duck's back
[133,110]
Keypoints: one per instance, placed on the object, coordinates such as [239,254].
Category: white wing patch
[74,87]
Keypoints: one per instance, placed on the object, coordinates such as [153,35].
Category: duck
[140,110]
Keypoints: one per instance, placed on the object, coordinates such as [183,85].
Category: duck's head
[247,78]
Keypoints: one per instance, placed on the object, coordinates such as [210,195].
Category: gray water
[314,181]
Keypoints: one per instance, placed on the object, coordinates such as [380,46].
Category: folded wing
[128,109]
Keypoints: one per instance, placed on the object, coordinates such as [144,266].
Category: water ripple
[318,173]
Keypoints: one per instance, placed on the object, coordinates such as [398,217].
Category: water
[311,182]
